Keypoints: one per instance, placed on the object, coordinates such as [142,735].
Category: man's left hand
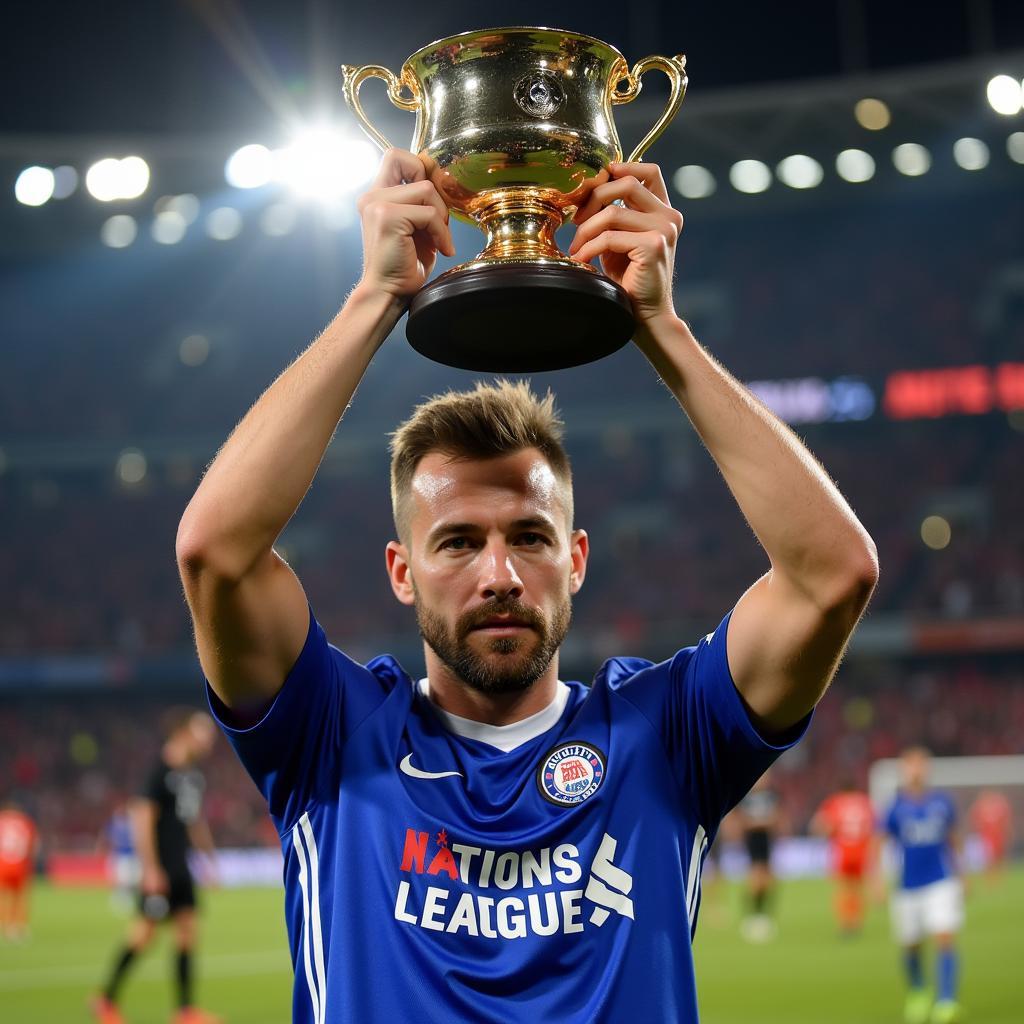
[636,241]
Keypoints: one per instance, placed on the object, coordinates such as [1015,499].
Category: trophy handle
[352,77]
[675,68]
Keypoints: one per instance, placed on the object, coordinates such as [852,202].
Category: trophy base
[519,318]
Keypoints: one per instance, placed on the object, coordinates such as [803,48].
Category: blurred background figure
[117,842]
[847,820]
[928,899]
[759,817]
[18,847]
[991,818]
[167,823]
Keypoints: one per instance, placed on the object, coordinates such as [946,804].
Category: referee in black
[166,823]
[760,818]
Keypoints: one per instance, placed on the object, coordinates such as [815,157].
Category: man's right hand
[405,225]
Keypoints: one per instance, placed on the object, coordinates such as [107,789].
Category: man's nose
[498,577]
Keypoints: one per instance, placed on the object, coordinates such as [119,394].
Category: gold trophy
[515,128]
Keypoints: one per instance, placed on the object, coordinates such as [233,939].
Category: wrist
[376,303]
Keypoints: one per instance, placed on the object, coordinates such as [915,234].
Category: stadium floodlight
[131,467]
[119,231]
[854,165]
[1015,147]
[1005,95]
[110,179]
[65,181]
[800,171]
[34,186]
[194,349]
[322,164]
[936,532]
[694,182]
[750,176]
[224,223]
[970,154]
[911,159]
[168,227]
[251,166]
[872,114]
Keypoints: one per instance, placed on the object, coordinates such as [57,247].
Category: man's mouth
[499,624]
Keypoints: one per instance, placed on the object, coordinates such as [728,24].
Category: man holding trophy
[491,843]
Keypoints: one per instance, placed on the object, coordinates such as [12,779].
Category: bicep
[248,632]
[783,650]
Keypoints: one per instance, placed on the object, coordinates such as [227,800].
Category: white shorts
[935,909]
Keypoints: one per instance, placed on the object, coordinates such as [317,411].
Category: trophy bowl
[515,129]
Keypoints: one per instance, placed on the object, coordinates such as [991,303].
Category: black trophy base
[520,318]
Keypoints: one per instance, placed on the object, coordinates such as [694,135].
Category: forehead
[470,489]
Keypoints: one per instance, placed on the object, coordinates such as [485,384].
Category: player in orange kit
[847,820]
[991,817]
[18,842]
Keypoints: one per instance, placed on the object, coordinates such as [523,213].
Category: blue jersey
[432,876]
[921,827]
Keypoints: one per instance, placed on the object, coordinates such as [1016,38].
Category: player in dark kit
[491,842]
[167,822]
[758,813]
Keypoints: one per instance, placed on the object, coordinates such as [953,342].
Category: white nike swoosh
[415,773]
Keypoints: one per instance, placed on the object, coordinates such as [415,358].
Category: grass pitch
[806,976]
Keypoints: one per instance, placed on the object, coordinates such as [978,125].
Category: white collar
[504,737]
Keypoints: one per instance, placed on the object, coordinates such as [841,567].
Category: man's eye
[532,538]
[455,544]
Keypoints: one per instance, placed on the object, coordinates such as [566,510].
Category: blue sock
[912,962]
[949,965]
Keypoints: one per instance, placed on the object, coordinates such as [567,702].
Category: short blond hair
[488,422]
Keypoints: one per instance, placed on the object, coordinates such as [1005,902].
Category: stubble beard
[509,666]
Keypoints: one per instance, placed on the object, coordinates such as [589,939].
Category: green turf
[806,976]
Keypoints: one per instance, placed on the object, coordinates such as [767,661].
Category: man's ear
[579,551]
[399,572]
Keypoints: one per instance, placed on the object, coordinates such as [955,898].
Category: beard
[511,663]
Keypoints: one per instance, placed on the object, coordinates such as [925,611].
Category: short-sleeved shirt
[759,809]
[17,840]
[922,828]
[850,820]
[435,877]
[178,795]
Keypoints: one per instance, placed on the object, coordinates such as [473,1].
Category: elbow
[856,582]
[200,556]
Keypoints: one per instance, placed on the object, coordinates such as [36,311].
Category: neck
[453,695]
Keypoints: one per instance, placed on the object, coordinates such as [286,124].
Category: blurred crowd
[72,763]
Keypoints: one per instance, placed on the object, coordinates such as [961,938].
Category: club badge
[571,773]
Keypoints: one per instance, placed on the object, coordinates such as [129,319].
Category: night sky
[145,66]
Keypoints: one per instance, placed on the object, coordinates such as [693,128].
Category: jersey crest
[571,773]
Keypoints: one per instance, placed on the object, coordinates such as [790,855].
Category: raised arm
[788,631]
[248,607]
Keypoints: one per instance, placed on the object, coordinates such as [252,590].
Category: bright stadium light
[800,171]
[111,179]
[321,164]
[224,223]
[936,532]
[1005,95]
[249,167]
[119,231]
[1015,147]
[65,181]
[168,228]
[750,176]
[970,154]
[872,114]
[694,182]
[34,186]
[131,467]
[854,165]
[911,159]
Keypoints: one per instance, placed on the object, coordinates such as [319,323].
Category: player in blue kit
[929,899]
[492,843]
